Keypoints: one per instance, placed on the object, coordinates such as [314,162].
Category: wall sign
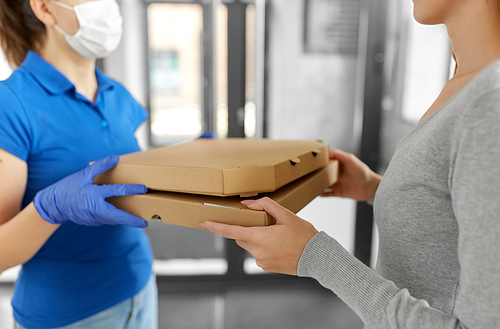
[331,26]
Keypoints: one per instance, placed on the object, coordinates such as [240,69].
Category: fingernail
[203,225]
[247,202]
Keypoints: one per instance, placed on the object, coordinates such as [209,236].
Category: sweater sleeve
[377,301]
[474,183]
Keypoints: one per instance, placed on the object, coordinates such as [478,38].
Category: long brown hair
[20,30]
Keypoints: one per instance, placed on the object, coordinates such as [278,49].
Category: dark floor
[256,309]
[239,308]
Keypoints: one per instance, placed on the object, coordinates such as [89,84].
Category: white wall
[311,96]
[128,64]
[5,70]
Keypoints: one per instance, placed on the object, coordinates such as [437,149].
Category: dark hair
[20,30]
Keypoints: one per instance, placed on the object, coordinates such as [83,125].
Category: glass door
[188,46]
[175,71]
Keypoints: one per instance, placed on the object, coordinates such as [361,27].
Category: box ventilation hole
[156,217]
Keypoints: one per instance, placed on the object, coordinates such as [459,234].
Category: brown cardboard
[190,209]
[220,167]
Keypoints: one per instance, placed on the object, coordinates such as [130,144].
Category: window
[175,70]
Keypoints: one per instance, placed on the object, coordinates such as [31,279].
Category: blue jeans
[138,312]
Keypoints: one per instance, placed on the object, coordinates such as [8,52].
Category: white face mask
[100,29]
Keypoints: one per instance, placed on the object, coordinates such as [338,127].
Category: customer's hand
[276,248]
[356,180]
[76,198]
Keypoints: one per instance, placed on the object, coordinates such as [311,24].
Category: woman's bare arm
[22,233]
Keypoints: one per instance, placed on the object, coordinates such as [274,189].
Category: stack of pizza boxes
[207,179]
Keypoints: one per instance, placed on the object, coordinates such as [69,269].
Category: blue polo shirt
[44,121]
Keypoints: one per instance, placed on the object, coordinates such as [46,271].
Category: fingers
[227,231]
[271,207]
[121,217]
[238,233]
[101,166]
[108,191]
[340,155]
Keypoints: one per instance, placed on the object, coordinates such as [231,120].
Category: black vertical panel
[236,54]
[235,257]
[372,112]
[236,21]
[265,117]
[207,86]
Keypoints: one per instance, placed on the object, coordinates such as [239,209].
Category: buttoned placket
[97,105]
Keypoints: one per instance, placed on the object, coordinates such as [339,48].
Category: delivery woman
[86,263]
[437,207]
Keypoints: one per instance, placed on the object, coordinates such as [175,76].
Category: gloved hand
[76,198]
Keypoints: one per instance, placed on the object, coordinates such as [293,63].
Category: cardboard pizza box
[220,167]
[191,209]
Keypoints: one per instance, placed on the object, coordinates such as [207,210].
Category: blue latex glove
[76,198]
[208,135]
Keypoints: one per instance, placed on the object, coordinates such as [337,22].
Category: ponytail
[20,30]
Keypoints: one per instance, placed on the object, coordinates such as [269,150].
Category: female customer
[437,207]
[86,263]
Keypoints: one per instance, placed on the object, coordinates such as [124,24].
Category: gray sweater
[438,214]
